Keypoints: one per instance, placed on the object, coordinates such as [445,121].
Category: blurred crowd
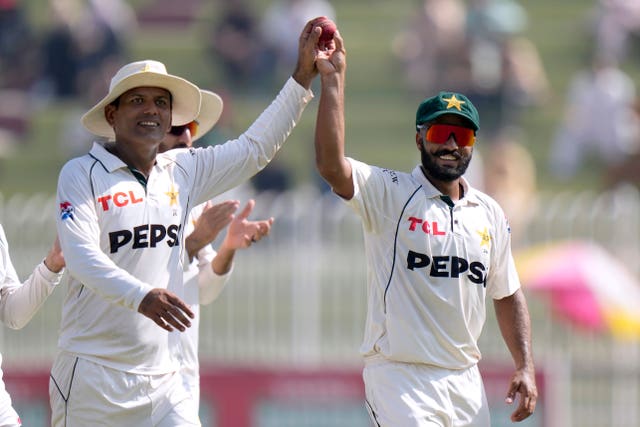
[477,47]
[70,59]
[601,122]
[62,61]
[83,43]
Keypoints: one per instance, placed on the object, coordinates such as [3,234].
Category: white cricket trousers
[8,415]
[83,393]
[417,395]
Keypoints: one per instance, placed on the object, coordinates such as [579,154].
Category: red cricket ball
[328,29]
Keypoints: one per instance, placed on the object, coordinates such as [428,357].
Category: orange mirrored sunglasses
[440,133]
[179,130]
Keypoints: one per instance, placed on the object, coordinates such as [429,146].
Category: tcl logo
[119,199]
[429,227]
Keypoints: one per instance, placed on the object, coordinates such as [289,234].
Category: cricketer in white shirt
[127,241]
[432,262]
[436,249]
[18,304]
[207,270]
[122,238]
[201,287]
[121,230]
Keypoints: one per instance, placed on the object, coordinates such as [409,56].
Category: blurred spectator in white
[627,171]
[118,15]
[526,82]
[507,74]
[279,25]
[599,119]
[510,178]
[235,45]
[433,48]
[614,24]
[494,19]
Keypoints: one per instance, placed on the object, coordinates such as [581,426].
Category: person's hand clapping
[212,221]
[242,232]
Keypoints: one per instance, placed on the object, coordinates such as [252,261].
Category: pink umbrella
[586,285]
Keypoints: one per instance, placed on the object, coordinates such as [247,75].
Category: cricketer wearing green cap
[438,251]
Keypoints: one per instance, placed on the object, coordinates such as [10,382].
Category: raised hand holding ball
[328,29]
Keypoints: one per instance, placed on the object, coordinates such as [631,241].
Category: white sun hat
[185,96]
[210,111]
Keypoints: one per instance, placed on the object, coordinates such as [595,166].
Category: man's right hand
[166,309]
[333,61]
[213,220]
[306,69]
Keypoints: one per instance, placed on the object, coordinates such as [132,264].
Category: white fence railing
[298,297]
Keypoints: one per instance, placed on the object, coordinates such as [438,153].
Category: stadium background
[280,346]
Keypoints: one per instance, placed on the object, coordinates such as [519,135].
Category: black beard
[445,174]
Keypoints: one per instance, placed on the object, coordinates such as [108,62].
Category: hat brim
[437,114]
[210,111]
[185,100]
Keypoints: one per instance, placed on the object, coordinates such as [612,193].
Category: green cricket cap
[447,103]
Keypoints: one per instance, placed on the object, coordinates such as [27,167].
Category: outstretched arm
[239,159]
[19,302]
[329,135]
[515,325]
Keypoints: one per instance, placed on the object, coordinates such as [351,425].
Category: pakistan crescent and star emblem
[173,196]
[454,102]
[485,237]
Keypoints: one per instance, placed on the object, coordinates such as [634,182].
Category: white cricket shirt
[430,265]
[122,238]
[18,303]
[201,286]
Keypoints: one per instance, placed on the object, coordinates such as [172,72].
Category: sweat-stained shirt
[431,263]
[122,236]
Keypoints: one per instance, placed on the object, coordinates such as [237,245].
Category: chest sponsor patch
[447,266]
[428,227]
[144,236]
[118,200]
